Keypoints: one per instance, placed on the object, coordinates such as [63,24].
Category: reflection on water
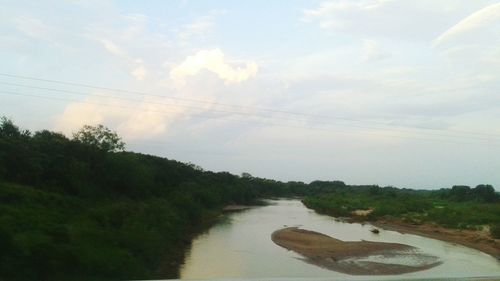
[240,246]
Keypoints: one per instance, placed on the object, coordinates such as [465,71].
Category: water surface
[240,246]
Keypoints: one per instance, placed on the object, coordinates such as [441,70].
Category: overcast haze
[403,93]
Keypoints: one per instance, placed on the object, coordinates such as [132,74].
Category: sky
[389,92]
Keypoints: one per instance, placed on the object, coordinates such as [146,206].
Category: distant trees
[101,137]
[8,129]
[482,192]
[460,192]
[486,193]
[246,175]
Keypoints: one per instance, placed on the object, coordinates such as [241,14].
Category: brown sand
[476,239]
[338,255]
[234,208]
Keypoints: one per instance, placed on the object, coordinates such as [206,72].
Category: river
[240,246]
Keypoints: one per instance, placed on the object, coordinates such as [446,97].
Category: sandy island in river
[351,257]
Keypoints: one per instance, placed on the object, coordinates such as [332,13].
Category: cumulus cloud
[146,123]
[77,114]
[213,61]
[476,20]
[133,120]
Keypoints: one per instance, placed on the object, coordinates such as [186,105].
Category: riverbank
[471,220]
[354,258]
[476,239]
[235,208]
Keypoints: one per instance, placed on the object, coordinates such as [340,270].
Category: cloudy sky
[389,92]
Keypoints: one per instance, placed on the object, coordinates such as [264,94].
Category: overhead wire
[237,120]
[221,111]
[234,106]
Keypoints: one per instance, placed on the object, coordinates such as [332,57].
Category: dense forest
[83,208]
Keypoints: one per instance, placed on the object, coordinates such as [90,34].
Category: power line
[215,110]
[232,105]
[218,117]
[147,102]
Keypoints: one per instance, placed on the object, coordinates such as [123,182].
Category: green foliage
[462,193]
[485,193]
[8,129]
[495,230]
[460,207]
[101,137]
[82,209]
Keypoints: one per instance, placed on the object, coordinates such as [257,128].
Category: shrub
[495,231]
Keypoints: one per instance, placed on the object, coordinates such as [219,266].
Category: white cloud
[32,27]
[371,51]
[199,27]
[133,120]
[327,8]
[215,62]
[409,20]
[77,114]
[476,20]
[135,67]
[147,123]
[137,24]
[111,47]
[324,12]
[140,73]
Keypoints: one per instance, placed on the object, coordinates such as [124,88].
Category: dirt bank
[354,258]
[476,239]
[234,208]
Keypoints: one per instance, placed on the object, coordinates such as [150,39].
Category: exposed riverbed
[240,246]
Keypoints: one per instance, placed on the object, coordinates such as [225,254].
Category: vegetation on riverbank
[460,207]
[82,208]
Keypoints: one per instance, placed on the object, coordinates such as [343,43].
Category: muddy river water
[240,246]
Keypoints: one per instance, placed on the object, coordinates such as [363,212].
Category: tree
[9,129]
[460,192]
[101,137]
[246,175]
[485,192]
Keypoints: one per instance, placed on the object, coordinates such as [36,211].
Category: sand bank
[356,258]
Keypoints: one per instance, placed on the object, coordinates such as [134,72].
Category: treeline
[82,208]
[462,193]
[459,207]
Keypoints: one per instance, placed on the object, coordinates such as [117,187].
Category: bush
[495,231]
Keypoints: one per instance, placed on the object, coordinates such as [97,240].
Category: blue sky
[389,92]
